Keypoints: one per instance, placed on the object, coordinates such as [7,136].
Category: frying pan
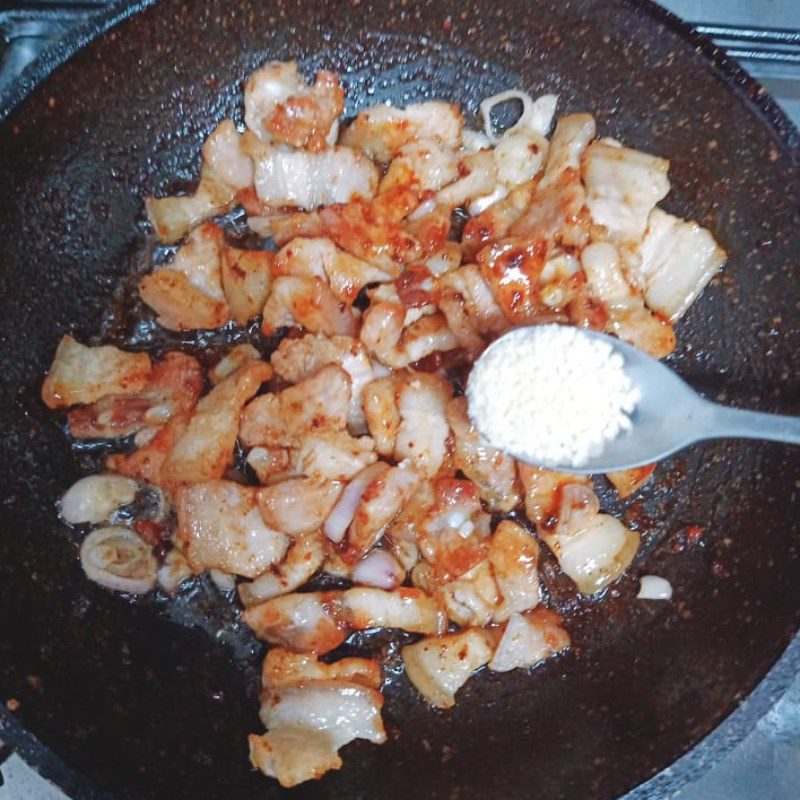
[153,699]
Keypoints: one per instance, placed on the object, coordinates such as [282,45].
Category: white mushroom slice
[220,526]
[381,131]
[95,498]
[81,374]
[204,450]
[173,572]
[678,259]
[593,549]
[320,402]
[299,179]
[308,723]
[493,472]
[118,559]
[303,558]
[622,188]
[529,639]
[298,505]
[439,667]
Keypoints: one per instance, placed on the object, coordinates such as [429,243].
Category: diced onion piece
[173,572]
[343,512]
[480,205]
[423,209]
[536,115]
[95,498]
[472,141]
[653,587]
[224,581]
[118,559]
[380,569]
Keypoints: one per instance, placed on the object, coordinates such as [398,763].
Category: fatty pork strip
[311,709]
[439,666]
[280,106]
[592,549]
[318,622]
[207,283]
[407,417]
[297,359]
[226,171]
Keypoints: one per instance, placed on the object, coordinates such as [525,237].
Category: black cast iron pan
[154,699]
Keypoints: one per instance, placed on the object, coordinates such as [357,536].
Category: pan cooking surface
[153,700]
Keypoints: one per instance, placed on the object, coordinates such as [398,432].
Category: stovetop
[765,36]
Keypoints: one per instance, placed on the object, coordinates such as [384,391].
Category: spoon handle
[735,423]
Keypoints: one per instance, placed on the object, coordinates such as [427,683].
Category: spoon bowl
[669,416]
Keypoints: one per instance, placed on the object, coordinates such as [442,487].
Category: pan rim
[743,719]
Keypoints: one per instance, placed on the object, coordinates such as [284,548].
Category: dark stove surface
[27,28]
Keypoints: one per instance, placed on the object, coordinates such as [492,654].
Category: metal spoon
[671,416]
